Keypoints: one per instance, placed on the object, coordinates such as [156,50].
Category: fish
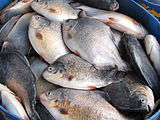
[55,10]
[69,104]
[140,63]
[130,94]
[38,66]
[16,74]
[71,71]
[43,112]
[117,37]
[13,105]
[7,27]
[115,20]
[46,38]
[15,8]
[111,5]
[19,34]
[152,48]
[93,41]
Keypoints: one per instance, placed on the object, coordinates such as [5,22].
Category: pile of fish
[76,60]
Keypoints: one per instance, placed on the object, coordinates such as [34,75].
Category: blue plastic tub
[151,7]
[128,7]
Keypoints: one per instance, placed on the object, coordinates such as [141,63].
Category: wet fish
[110,5]
[7,27]
[13,105]
[58,10]
[140,63]
[38,66]
[72,71]
[43,112]
[68,104]
[115,20]
[93,41]
[14,9]
[130,94]
[153,51]
[5,88]
[46,38]
[117,37]
[16,74]
[19,34]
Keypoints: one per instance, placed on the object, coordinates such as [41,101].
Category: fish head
[143,99]
[52,98]
[55,72]
[38,22]
[114,5]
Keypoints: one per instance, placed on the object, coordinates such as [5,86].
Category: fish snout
[114,6]
[149,108]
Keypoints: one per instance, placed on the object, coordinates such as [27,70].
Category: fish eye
[143,101]
[37,17]
[50,69]
[48,93]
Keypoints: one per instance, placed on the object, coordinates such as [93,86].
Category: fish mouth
[42,98]
[114,6]
[148,108]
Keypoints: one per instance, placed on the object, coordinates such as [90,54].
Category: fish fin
[103,94]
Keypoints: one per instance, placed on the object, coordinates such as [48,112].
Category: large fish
[110,5]
[153,51]
[115,20]
[58,10]
[93,41]
[16,74]
[11,102]
[130,94]
[14,9]
[72,71]
[46,38]
[68,104]
[19,34]
[38,66]
[141,64]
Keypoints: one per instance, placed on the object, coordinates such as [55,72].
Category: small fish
[72,71]
[111,5]
[7,27]
[43,112]
[140,63]
[46,38]
[115,20]
[58,10]
[15,8]
[93,41]
[13,105]
[38,66]
[153,51]
[69,104]
[19,34]
[130,94]
[16,74]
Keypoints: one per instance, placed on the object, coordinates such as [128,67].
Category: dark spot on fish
[135,22]
[25,1]
[77,53]
[70,77]
[51,10]
[63,111]
[111,20]
[39,36]
[54,105]
[69,36]
[91,87]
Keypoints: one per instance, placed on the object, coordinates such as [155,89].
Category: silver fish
[72,71]
[153,51]
[140,63]
[46,38]
[14,9]
[19,34]
[115,20]
[68,104]
[58,10]
[93,41]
